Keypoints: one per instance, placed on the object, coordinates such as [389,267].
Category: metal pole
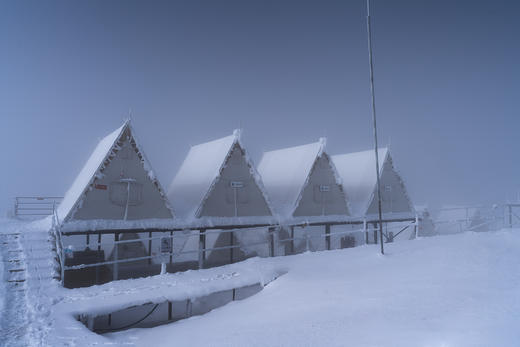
[62,266]
[510,216]
[365,230]
[416,226]
[149,248]
[327,236]
[372,92]
[292,239]
[202,248]
[116,257]
[171,253]
[231,244]
[271,241]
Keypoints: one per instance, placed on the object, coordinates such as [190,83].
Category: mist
[286,72]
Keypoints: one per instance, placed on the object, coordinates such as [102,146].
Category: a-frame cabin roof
[357,171]
[286,172]
[200,173]
[94,168]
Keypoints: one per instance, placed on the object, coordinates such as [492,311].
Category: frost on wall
[302,181]
[357,171]
[116,183]
[217,180]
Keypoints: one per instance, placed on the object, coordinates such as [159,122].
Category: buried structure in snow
[303,186]
[357,171]
[217,185]
[115,197]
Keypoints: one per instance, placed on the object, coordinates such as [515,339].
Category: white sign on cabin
[324,188]
[237,184]
[166,244]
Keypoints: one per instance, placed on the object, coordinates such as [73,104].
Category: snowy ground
[457,290]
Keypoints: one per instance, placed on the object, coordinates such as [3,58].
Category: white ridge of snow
[164,223]
[118,295]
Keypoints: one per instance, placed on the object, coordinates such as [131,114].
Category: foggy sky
[287,72]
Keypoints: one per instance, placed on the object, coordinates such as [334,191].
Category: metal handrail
[177,254]
[43,203]
[59,244]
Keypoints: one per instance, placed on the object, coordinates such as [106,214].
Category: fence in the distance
[34,206]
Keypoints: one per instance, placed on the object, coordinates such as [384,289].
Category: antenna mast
[372,92]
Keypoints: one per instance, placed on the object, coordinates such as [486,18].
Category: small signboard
[324,188]
[166,244]
[237,184]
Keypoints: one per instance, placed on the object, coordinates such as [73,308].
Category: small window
[120,192]
[388,188]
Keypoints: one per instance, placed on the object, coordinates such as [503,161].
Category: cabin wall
[315,202]
[249,199]
[393,193]
[106,199]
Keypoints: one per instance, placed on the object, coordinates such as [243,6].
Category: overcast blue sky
[288,72]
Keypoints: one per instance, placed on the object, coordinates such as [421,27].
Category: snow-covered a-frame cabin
[217,187]
[116,196]
[304,187]
[357,171]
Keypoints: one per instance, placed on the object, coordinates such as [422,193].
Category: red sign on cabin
[100,186]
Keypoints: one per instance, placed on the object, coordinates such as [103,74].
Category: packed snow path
[27,271]
[14,319]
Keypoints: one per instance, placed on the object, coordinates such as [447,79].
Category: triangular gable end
[285,172]
[116,183]
[322,194]
[237,190]
[394,196]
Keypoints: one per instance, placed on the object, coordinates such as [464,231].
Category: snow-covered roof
[357,171]
[97,161]
[200,171]
[285,173]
